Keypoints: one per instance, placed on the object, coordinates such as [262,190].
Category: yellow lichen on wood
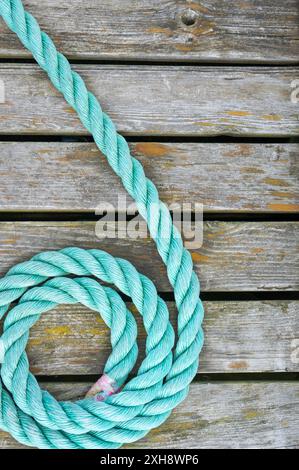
[199,257]
[151,149]
[58,330]
[238,365]
[238,113]
[283,207]
[276,182]
[271,117]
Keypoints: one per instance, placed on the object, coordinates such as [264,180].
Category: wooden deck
[202,90]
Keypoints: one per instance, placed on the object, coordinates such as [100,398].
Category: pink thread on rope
[102,388]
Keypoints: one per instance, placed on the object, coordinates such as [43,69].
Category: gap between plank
[238,296]
[61,216]
[231,296]
[162,63]
[219,139]
[213,377]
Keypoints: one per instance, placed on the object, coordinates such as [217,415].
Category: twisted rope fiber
[32,415]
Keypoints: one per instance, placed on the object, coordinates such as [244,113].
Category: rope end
[104,387]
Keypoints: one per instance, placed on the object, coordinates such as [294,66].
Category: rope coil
[32,415]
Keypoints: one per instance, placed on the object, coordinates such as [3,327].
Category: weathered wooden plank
[239,337]
[235,256]
[213,30]
[71,176]
[153,100]
[215,415]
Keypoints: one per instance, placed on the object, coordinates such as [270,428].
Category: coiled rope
[107,419]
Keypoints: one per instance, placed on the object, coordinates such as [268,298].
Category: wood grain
[241,31]
[155,100]
[69,177]
[239,337]
[215,415]
[235,256]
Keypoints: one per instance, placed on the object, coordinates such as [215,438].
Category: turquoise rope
[32,415]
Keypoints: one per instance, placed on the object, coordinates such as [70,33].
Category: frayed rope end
[104,387]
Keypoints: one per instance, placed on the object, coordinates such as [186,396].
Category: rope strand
[32,415]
